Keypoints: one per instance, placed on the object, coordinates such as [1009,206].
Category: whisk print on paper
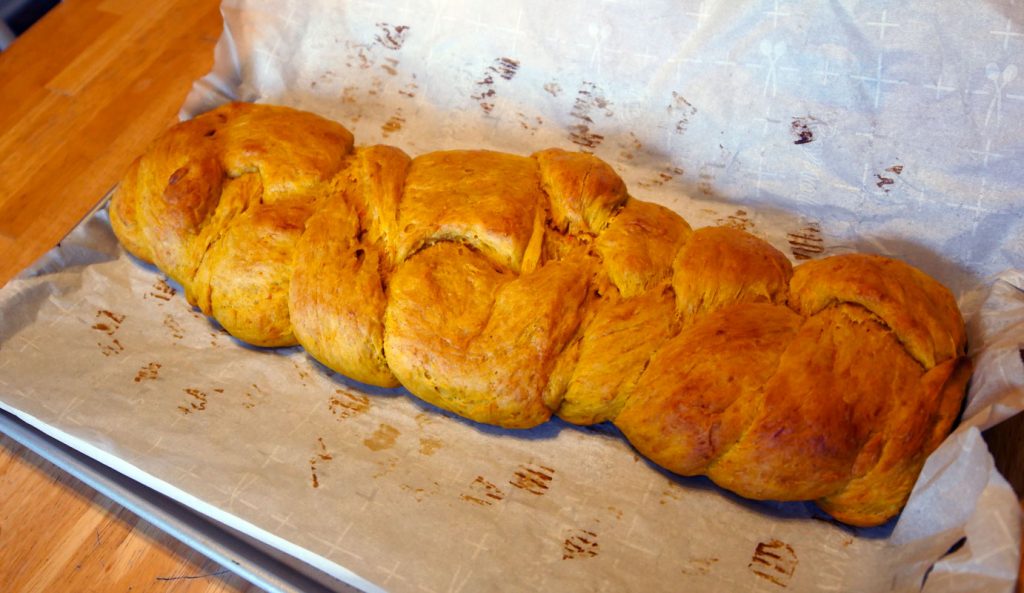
[503,68]
[345,404]
[174,327]
[319,456]
[774,561]
[807,242]
[580,544]
[162,291]
[590,101]
[533,478]
[391,36]
[740,219]
[108,323]
[681,111]
[483,492]
[196,401]
[150,372]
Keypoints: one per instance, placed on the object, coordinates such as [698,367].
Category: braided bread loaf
[508,288]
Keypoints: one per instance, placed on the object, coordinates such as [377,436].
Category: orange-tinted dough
[506,288]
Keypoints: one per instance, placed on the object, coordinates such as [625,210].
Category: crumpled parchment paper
[871,126]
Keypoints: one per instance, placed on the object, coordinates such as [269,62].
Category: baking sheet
[262,566]
[704,107]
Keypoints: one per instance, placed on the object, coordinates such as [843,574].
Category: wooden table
[80,96]
[81,93]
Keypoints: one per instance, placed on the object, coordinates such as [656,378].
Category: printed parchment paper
[870,126]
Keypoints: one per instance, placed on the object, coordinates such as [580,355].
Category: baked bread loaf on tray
[508,288]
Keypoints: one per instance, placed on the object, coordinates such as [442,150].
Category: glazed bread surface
[509,288]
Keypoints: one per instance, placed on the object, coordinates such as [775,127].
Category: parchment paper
[883,127]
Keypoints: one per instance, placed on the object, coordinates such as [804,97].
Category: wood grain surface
[81,94]
[57,534]
[84,91]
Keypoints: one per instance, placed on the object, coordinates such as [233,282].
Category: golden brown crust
[173,189]
[702,388]
[584,191]
[613,350]
[921,312]
[719,266]
[465,334]
[639,245]
[237,196]
[172,219]
[486,199]
[124,217]
[507,288]
[293,151]
[250,269]
[890,461]
[342,264]
[337,296]
[834,384]
[376,178]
